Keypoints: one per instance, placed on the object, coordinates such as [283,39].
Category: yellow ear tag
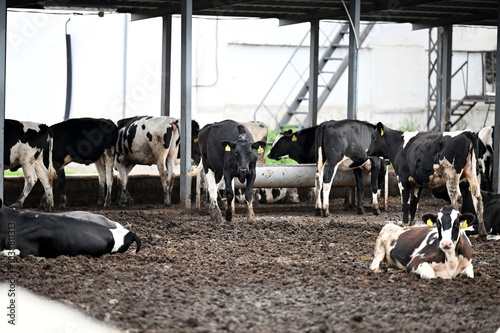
[228,148]
[465,225]
[195,140]
[430,223]
[260,150]
[294,138]
[381,132]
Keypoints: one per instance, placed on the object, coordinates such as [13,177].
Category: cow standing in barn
[85,141]
[441,251]
[342,145]
[431,160]
[228,150]
[147,140]
[50,235]
[485,156]
[26,145]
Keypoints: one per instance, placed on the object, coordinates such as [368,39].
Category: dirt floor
[287,272]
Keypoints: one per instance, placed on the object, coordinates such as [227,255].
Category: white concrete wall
[235,61]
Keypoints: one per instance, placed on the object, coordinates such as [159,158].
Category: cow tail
[197,170]
[50,142]
[319,147]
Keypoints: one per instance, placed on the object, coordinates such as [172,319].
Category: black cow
[26,144]
[485,156]
[147,140]
[227,150]
[298,146]
[342,145]
[85,141]
[51,235]
[441,251]
[431,160]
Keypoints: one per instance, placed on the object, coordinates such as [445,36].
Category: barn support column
[166,59]
[353,83]
[444,88]
[312,120]
[186,50]
[3,61]
[496,134]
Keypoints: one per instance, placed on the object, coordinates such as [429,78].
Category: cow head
[242,155]
[282,145]
[449,221]
[378,141]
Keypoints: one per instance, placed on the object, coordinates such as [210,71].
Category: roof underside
[422,13]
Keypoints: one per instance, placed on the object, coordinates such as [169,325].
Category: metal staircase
[332,64]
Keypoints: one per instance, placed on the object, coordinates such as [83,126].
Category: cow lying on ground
[26,144]
[147,140]
[85,141]
[227,150]
[441,251]
[431,160]
[51,235]
[342,145]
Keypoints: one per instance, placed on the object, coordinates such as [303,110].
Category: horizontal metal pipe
[296,175]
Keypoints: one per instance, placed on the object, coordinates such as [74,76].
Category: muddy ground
[287,272]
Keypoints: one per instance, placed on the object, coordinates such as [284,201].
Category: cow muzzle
[242,171]
[446,245]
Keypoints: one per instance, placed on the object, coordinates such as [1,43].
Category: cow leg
[376,171]
[30,179]
[101,174]
[405,201]
[61,178]
[233,202]
[249,196]
[108,161]
[358,175]
[171,158]
[329,173]
[318,185]
[414,199]
[212,192]
[165,180]
[124,197]
[229,197]
[44,175]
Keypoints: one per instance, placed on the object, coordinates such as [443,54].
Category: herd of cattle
[450,161]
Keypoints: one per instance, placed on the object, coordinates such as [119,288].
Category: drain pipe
[69,73]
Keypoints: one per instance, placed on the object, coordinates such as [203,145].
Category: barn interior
[421,14]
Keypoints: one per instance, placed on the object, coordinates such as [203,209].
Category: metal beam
[496,132]
[445,95]
[3,67]
[353,82]
[166,60]
[186,54]
[312,119]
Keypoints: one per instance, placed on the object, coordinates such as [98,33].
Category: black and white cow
[272,195]
[26,144]
[442,251]
[342,145]
[147,140]
[227,150]
[50,235]
[485,156]
[431,160]
[85,141]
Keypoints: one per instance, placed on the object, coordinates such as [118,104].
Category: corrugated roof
[422,13]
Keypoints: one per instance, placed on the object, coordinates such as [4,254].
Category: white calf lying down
[441,251]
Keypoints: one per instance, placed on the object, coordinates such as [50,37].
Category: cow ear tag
[294,138]
[430,223]
[381,132]
[228,148]
[260,150]
[465,225]
[195,140]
